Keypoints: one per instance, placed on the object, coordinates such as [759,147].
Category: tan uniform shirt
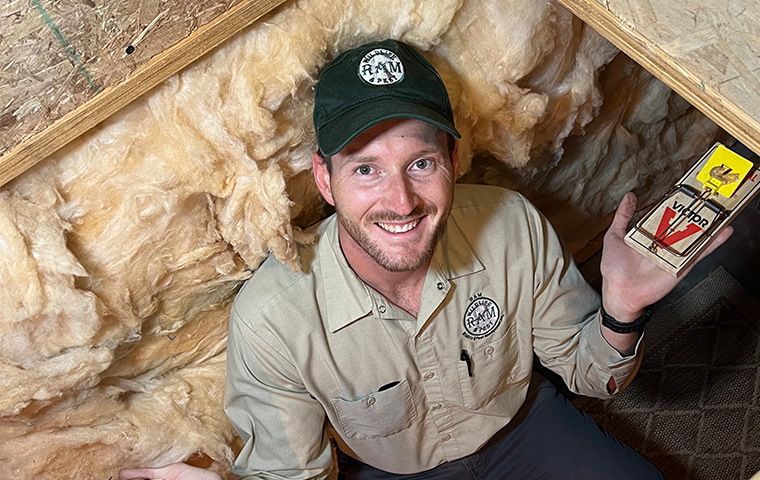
[320,349]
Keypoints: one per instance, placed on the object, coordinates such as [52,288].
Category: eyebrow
[369,159]
[359,159]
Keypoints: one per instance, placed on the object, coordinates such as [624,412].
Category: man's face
[392,188]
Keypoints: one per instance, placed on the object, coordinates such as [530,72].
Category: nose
[400,196]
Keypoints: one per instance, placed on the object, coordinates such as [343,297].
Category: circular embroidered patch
[381,67]
[481,318]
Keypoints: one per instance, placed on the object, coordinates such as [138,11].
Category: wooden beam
[115,97]
[678,75]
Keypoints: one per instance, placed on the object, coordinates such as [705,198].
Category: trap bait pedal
[682,224]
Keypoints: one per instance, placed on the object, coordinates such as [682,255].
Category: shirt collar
[345,294]
[453,258]
[348,299]
[454,254]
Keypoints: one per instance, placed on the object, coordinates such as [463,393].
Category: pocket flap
[378,414]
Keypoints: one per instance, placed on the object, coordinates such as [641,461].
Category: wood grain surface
[67,65]
[706,50]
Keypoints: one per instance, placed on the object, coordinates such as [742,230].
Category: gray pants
[548,439]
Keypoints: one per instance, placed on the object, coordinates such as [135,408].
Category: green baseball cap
[373,83]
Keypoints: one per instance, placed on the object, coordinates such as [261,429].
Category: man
[411,333]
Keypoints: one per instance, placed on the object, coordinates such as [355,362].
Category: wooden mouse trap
[683,223]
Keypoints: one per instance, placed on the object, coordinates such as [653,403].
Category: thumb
[623,215]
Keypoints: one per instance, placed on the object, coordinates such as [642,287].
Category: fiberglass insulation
[120,255]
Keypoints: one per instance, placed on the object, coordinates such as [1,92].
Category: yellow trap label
[724,171]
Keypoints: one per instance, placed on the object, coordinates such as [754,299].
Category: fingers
[718,240]
[139,473]
[623,215]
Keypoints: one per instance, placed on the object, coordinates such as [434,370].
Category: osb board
[706,50]
[65,65]
[57,54]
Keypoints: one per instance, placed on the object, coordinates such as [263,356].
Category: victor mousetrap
[706,198]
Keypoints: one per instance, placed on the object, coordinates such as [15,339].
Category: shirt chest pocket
[378,414]
[488,370]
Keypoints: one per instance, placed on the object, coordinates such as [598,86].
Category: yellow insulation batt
[120,255]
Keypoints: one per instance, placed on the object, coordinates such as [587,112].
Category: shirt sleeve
[567,334]
[281,425]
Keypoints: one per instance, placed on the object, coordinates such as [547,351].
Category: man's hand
[175,471]
[631,281]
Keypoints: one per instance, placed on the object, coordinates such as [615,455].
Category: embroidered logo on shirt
[381,67]
[481,318]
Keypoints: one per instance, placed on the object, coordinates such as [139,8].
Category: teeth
[399,228]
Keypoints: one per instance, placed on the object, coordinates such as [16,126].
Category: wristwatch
[620,327]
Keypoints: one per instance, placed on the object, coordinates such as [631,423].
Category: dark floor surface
[693,408]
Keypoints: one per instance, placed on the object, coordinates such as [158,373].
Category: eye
[364,170]
[423,164]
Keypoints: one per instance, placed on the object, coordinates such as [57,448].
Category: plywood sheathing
[66,66]
[58,54]
[708,51]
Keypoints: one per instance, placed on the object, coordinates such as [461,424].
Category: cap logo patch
[381,67]
[481,318]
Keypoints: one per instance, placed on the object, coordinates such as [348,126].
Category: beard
[403,263]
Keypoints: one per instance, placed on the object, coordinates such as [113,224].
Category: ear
[322,177]
[455,158]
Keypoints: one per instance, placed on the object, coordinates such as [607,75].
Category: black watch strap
[620,327]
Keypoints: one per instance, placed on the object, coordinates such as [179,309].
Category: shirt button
[489,351]
[441,286]
[446,437]
[381,309]
[371,401]
[429,375]
[436,406]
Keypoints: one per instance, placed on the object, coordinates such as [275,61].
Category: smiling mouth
[398,228]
